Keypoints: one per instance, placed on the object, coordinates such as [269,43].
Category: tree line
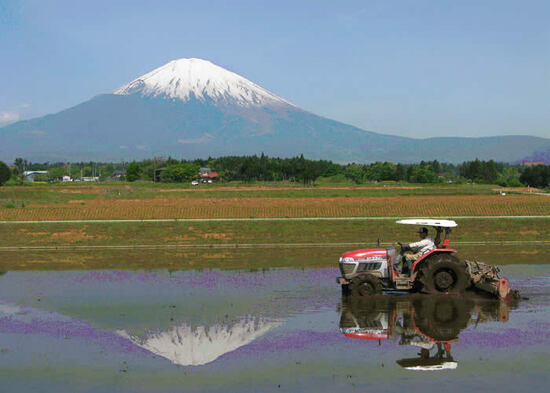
[296,169]
[536,176]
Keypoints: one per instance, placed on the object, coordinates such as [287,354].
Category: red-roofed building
[211,175]
[206,173]
[532,163]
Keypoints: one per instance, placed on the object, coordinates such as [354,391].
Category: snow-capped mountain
[192,108]
[185,79]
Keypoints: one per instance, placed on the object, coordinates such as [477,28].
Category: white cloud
[203,139]
[8,117]
[140,147]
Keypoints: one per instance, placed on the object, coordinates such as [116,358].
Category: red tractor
[369,272]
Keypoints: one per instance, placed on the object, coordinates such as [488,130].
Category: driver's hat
[423,230]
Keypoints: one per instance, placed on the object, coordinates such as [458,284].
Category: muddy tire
[442,273]
[345,290]
[365,285]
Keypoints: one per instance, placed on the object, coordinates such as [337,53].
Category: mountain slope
[193,108]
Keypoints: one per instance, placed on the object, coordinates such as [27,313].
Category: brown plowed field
[172,208]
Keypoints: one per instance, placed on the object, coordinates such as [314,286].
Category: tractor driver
[413,251]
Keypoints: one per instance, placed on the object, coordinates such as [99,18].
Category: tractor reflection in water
[429,323]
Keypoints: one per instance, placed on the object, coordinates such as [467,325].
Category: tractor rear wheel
[365,285]
[441,318]
[442,273]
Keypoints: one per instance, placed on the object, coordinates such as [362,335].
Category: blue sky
[413,68]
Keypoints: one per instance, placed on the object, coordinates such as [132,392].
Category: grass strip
[251,259]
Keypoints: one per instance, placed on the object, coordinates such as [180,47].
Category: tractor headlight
[347,265]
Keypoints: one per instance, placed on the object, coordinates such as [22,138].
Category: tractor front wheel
[442,274]
[345,290]
[365,285]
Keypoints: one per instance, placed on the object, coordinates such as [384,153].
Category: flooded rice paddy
[265,330]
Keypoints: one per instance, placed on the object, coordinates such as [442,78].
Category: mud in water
[265,330]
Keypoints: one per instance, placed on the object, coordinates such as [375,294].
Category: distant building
[66,179]
[90,178]
[532,163]
[206,173]
[158,174]
[118,175]
[211,175]
[29,175]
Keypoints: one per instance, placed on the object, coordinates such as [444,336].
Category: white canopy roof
[442,366]
[429,222]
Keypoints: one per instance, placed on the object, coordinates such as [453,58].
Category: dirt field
[172,208]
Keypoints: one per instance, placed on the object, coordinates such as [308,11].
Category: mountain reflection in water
[187,346]
[431,324]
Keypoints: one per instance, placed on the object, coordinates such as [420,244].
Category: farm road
[269,219]
[251,245]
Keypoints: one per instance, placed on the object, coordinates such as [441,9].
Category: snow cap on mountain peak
[184,79]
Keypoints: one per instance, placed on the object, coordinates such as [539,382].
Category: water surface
[265,330]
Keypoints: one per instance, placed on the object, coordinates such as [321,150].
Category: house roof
[209,175]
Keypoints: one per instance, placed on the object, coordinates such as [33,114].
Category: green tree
[133,171]
[436,166]
[181,172]
[355,173]
[400,172]
[108,170]
[21,164]
[421,174]
[536,176]
[56,173]
[381,171]
[5,173]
